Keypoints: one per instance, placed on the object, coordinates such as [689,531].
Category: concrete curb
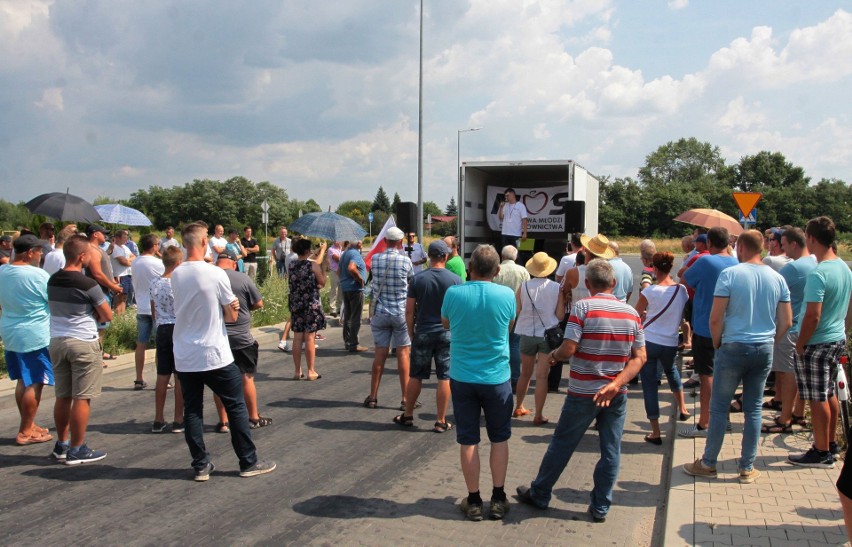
[128,360]
[680,506]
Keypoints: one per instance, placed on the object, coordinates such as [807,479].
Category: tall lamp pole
[420,137]
[460,199]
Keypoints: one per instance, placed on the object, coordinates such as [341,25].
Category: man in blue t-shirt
[479,315]
[784,354]
[822,339]
[25,328]
[751,310]
[702,277]
[353,276]
[429,339]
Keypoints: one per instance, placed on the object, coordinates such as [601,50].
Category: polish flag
[379,244]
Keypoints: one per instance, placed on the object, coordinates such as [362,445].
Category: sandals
[442,427]
[109,357]
[800,421]
[520,412]
[403,420]
[312,378]
[262,421]
[772,405]
[777,427]
[417,404]
[139,385]
[540,421]
[222,427]
[370,402]
[735,406]
[35,438]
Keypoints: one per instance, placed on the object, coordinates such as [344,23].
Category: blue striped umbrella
[329,226]
[114,213]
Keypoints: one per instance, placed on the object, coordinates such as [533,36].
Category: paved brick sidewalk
[787,505]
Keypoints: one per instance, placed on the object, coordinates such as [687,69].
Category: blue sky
[109,96]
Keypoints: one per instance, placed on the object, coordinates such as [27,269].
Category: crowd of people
[486,330]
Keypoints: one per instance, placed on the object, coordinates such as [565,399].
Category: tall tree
[396,201]
[381,201]
[452,210]
[431,208]
[684,160]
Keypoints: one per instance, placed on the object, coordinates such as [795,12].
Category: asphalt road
[345,474]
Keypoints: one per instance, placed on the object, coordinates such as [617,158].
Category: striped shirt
[605,330]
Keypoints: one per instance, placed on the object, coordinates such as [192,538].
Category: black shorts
[246,358]
[703,353]
[687,311]
[165,355]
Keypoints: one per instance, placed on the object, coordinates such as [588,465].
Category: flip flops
[520,412]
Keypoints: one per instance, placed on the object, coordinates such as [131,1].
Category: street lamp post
[460,199]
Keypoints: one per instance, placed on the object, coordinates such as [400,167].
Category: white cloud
[678,4]
[52,99]
[739,116]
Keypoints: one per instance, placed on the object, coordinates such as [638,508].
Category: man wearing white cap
[391,271]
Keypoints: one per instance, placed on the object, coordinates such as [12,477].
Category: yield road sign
[747,201]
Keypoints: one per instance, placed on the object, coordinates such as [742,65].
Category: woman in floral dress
[306,278]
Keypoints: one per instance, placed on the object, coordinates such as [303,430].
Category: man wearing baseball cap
[391,271]
[25,328]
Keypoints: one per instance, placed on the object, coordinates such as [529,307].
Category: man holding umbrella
[99,268]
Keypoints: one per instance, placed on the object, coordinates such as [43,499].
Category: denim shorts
[472,400]
[126,282]
[389,327]
[144,328]
[424,348]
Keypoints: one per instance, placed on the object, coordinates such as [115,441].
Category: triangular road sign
[746,201]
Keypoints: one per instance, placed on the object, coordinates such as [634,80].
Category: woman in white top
[540,306]
[661,309]
[575,278]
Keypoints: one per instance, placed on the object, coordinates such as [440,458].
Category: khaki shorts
[77,367]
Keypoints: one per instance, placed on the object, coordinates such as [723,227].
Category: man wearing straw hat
[601,368]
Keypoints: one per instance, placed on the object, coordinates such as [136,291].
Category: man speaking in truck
[513,215]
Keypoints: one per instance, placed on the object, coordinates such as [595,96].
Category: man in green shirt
[455,264]
[822,339]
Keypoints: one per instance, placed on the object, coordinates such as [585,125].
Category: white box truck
[561,197]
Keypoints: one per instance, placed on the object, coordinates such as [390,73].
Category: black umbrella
[64,207]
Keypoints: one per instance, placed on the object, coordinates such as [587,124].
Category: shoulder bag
[677,290]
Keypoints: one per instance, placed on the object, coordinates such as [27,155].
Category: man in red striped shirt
[606,345]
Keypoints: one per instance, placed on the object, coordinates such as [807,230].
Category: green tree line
[677,176]
[689,174]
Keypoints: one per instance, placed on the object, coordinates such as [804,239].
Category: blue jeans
[658,356]
[577,414]
[734,363]
[515,356]
[227,383]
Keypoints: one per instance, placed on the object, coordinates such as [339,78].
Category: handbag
[554,335]
[676,292]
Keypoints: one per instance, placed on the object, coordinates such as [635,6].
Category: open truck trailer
[561,197]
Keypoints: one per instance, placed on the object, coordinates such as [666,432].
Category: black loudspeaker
[575,216]
[406,216]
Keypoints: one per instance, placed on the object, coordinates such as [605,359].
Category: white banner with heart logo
[545,207]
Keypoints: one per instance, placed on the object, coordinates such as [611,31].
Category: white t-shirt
[54,261]
[200,339]
[663,330]
[777,262]
[165,243]
[217,242]
[566,263]
[120,251]
[512,216]
[145,269]
[417,254]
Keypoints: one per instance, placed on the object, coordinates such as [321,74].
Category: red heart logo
[535,202]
